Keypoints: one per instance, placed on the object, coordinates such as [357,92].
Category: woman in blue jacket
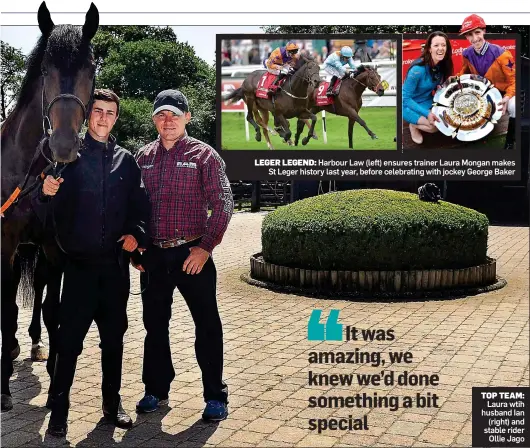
[423,78]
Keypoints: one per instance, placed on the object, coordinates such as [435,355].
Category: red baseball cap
[471,23]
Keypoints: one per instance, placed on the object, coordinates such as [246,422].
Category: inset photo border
[431,120]
[372,93]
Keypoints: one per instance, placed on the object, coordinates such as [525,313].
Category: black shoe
[7,402]
[57,430]
[117,415]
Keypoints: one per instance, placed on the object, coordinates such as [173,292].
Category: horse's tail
[27,257]
[234,96]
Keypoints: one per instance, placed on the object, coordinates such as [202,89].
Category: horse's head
[310,70]
[68,74]
[369,77]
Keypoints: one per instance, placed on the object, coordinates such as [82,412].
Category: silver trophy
[467,107]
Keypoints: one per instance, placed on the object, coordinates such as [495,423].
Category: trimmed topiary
[374,230]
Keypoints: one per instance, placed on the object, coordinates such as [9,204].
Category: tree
[144,68]
[395,29]
[112,37]
[138,70]
[12,64]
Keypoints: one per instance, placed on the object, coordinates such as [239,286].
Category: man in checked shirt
[183,177]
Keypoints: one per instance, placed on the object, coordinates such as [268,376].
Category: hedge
[374,230]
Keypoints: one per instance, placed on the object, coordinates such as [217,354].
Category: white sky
[201,38]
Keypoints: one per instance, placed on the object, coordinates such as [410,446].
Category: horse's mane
[66,50]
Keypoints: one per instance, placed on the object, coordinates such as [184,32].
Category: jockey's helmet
[346,52]
[292,48]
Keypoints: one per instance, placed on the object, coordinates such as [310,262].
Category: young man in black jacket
[98,203]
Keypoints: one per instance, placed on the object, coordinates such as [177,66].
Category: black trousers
[199,291]
[92,292]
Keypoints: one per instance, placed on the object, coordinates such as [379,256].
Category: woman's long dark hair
[444,69]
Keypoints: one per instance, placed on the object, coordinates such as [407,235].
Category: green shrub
[374,230]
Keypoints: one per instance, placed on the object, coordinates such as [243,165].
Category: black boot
[115,414]
[510,134]
[329,92]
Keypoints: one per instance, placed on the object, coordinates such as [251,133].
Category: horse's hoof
[6,402]
[39,352]
[374,137]
[305,141]
[15,352]
[289,142]
[258,137]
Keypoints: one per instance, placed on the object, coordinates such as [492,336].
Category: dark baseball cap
[172,100]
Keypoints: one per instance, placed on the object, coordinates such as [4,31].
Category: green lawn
[381,121]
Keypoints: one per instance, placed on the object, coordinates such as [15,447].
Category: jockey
[493,63]
[281,62]
[334,65]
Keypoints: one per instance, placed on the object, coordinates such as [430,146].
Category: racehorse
[54,100]
[348,102]
[290,102]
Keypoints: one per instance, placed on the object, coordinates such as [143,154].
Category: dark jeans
[92,292]
[199,292]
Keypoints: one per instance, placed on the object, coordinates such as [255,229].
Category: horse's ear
[91,23]
[45,21]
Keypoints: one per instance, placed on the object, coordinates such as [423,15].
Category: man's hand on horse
[129,243]
[51,185]
[195,261]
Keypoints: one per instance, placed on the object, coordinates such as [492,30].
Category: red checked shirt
[182,183]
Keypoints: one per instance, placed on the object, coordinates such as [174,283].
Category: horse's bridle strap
[11,199]
[66,96]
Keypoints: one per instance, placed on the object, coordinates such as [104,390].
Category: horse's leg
[313,134]
[313,117]
[354,115]
[38,349]
[10,281]
[299,129]
[264,115]
[250,119]
[285,126]
[350,133]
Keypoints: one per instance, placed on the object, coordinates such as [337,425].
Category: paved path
[480,340]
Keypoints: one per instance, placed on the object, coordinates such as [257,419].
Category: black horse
[45,124]
[290,102]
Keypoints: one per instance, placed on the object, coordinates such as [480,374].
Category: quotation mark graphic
[330,331]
